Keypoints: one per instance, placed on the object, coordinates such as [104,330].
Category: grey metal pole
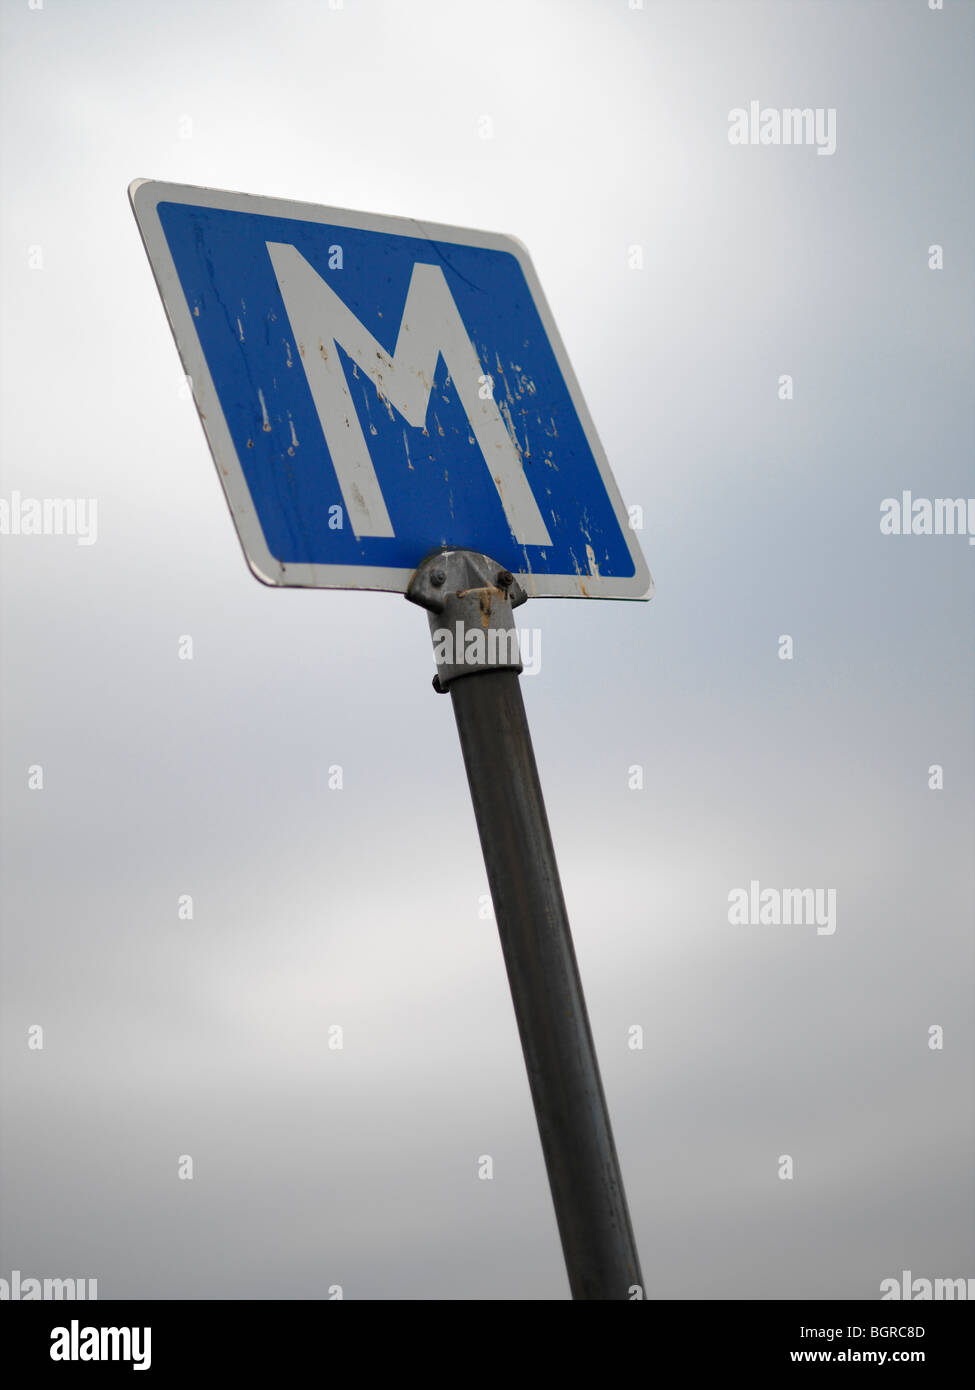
[467,593]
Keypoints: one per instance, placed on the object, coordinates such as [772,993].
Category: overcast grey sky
[359,907]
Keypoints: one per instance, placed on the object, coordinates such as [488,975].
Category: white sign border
[145,196]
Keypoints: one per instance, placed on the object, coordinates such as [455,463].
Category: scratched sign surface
[373,387]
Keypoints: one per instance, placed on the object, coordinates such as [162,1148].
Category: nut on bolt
[438,578]
[505,577]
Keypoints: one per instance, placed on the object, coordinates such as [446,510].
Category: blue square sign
[374,387]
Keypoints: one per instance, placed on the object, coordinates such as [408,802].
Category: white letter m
[431,326]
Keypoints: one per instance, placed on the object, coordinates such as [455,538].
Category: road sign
[390,407]
[374,387]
